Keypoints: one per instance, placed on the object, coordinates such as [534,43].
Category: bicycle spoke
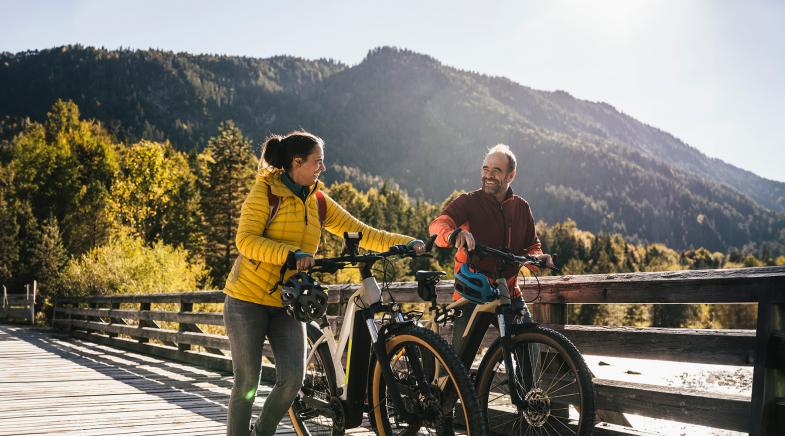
[557,373]
[559,420]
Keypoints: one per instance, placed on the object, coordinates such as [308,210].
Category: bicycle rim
[551,378]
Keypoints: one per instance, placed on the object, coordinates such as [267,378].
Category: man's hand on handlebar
[464,239]
[545,259]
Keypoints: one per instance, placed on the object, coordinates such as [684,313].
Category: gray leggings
[247,324]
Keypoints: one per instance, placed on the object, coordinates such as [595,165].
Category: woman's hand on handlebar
[303,261]
[417,245]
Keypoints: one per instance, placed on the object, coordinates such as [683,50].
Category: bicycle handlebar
[332,264]
[483,250]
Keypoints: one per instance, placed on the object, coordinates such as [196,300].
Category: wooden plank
[219,363]
[723,411]
[18,313]
[720,347]
[166,336]
[741,285]
[211,318]
[174,297]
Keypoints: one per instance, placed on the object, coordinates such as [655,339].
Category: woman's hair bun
[274,153]
[278,151]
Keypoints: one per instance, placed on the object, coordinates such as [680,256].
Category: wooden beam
[720,347]
[723,411]
[768,380]
[165,336]
[740,285]
[208,361]
[212,318]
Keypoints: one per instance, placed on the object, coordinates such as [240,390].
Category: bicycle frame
[478,324]
[358,343]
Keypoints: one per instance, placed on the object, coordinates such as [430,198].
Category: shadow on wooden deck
[52,384]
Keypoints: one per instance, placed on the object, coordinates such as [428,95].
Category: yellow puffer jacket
[295,226]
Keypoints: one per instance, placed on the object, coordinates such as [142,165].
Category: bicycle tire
[319,384]
[468,419]
[553,401]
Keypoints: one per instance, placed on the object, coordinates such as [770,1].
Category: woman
[289,174]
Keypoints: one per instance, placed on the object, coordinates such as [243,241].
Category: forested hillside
[84,213]
[406,117]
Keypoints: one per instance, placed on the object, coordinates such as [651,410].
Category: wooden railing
[19,306]
[103,319]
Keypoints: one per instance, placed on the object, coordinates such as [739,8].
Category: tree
[64,168]
[48,260]
[155,195]
[9,228]
[226,171]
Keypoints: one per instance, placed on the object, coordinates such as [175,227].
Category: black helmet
[304,297]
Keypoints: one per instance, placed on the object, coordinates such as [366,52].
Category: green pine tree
[226,171]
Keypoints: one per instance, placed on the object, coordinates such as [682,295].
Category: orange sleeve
[442,227]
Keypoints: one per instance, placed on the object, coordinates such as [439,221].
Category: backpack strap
[275,203]
[322,204]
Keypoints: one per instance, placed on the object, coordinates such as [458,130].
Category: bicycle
[389,367]
[553,390]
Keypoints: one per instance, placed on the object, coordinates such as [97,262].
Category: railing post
[768,380]
[113,320]
[184,327]
[144,306]
[550,313]
[32,302]
[5,301]
[187,307]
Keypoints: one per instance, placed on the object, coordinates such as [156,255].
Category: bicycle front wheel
[317,409]
[450,405]
[551,378]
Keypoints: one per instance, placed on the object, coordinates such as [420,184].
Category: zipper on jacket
[504,228]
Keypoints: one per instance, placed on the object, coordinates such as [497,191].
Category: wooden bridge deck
[51,384]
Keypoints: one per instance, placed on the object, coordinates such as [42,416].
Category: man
[491,216]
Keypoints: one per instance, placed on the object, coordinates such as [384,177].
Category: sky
[710,72]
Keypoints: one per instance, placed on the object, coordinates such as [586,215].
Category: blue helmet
[474,286]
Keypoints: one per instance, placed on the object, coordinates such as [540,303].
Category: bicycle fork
[380,350]
[524,365]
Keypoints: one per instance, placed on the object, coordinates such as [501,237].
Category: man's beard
[493,188]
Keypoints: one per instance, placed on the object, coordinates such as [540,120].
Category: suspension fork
[380,350]
[511,369]
[506,318]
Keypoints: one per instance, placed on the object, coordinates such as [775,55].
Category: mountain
[407,117]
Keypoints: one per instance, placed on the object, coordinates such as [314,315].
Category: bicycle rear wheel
[317,409]
[550,376]
[451,406]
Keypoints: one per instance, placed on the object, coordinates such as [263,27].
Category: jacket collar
[272,177]
[507,195]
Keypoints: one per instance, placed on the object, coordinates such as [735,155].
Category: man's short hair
[505,150]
